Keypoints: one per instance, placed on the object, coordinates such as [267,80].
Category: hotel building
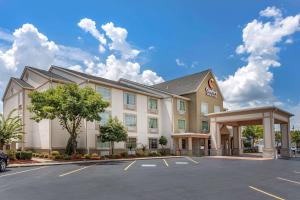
[178,109]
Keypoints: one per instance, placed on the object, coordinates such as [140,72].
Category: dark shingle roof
[23,83]
[104,80]
[183,85]
[50,74]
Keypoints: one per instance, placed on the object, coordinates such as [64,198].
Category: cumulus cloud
[118,37]
[179,62]
[250,85]
[89,26]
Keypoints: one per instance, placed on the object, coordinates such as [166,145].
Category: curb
[89,161]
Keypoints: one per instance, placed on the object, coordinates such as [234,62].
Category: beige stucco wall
[178,115]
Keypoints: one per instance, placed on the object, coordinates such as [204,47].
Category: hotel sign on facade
[210,89]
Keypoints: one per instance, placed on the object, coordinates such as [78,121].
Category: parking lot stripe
[148,165]
[23,171]
[74,171]
[297,172]
[296,182]
[166,163]
[192,160]
[126,168]
[266,193]
[181,163]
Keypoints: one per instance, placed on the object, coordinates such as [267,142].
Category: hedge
[24,155]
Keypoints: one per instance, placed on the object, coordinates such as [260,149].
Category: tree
[70,105]
[163,141]
[253,133]
[295,135]
[113,131]
[11,128]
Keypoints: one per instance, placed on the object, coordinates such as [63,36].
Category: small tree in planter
[113,131]
[163,141]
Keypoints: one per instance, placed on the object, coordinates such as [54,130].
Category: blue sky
[170,38]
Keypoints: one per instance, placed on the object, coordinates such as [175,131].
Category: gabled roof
[18,81]
[183,85]
[22,83]
[97,79]
[46,74]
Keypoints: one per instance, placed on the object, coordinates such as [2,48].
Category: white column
[237,147]
[215,138]
[269,137]
[190,147]
[285,140]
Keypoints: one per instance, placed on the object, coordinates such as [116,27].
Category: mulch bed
[23,161]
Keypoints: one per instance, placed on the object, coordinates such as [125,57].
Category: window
[129,100]
[105,93]
[131,142]
[181,124]
[181,106]
[205,126]
[130,122]
[204,108]
[153,125]
[104,117]
[183,143]
[153,143]
[102,145]
[217,109]
[152,105]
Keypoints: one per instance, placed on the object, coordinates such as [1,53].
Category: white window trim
[204,103]
[153,130]
[153,111]
[129,106]
[130,128]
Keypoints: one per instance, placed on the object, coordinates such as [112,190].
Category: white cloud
[6,36]
[76,68]
[89,25]
[118,37]
[179,62]
[271,12]
[289,41]
[250,85]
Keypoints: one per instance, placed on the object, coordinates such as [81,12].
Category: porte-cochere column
[269,135]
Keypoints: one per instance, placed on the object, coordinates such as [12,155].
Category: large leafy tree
[295,136]
[253,133]
[70,105]
[11,128]
[113,131]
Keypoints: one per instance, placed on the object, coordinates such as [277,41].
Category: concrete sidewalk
[49,162]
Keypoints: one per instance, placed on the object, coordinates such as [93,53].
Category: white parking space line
[29,170]
[166,163]
[296,172]
[148,165]
[181,163]
[190,159]
[266,193]
[126,168]
[287,180]
[74,171]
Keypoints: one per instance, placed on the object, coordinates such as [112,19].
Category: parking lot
[173,178]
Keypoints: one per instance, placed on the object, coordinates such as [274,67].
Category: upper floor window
[152,105]
[181,106]
[130,122]
[204,108]
[105,93]
[153,125]
[217,109]
[181,124]
[129,100]
[205,126]
[104,117]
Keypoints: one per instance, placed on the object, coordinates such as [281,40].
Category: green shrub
[87,156]
[116,156]
[11,154]
[58,157]
[55,153]
[24,155]
[78,156]
[139,154]
[67,157]
[46,155]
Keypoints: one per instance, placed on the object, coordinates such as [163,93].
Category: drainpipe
[50,126]
[86,133]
